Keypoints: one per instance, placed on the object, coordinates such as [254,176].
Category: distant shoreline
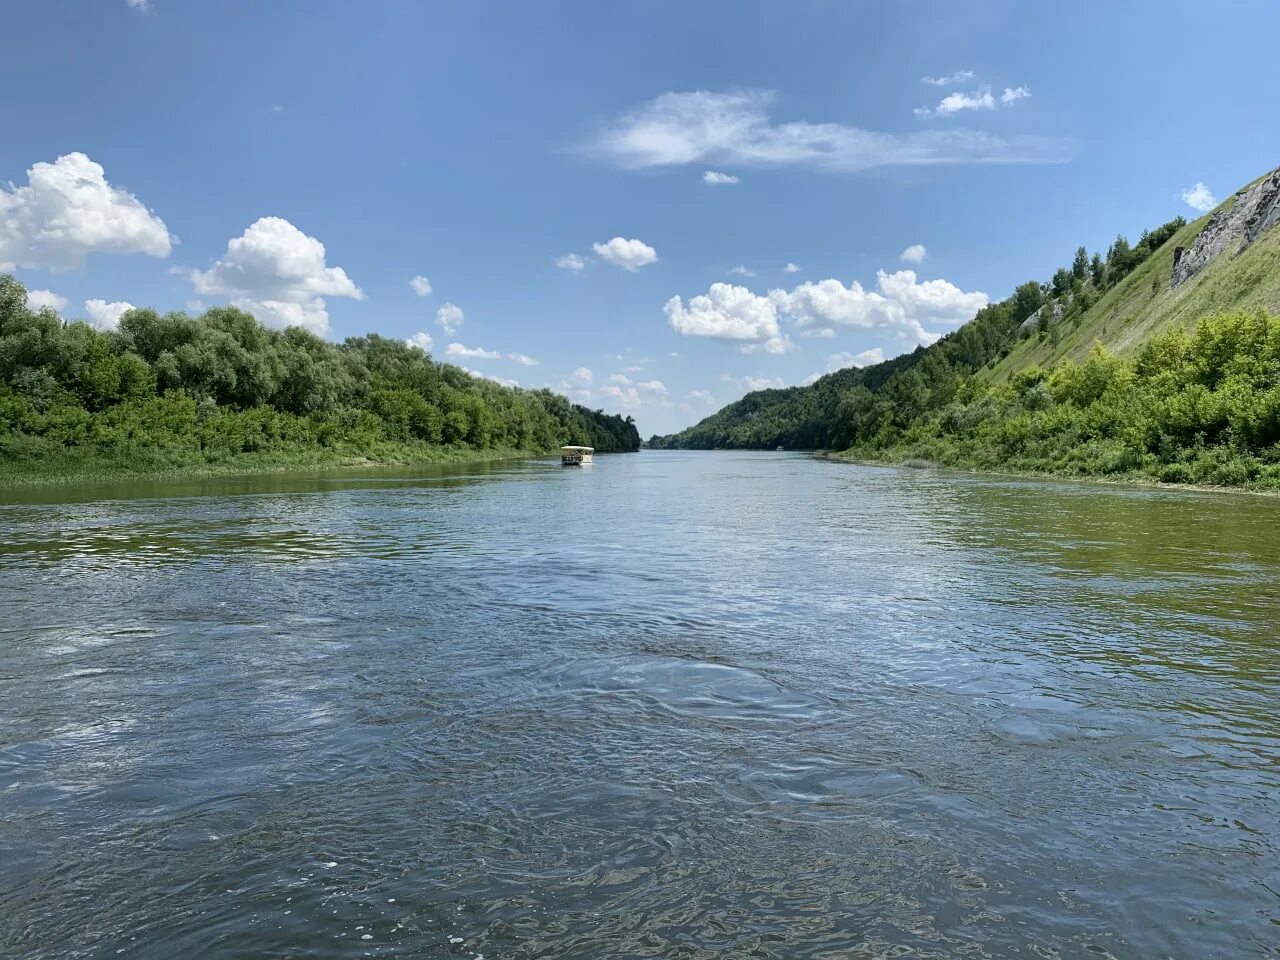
[89,470]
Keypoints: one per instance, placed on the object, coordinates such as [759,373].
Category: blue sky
[209,149]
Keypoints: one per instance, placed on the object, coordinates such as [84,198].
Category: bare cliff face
[1252,210]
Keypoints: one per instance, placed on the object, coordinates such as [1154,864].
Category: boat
[576,456]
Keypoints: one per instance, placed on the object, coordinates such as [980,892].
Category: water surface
[674,705]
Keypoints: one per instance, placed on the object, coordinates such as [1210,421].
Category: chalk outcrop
[1253,210]
[1056,311]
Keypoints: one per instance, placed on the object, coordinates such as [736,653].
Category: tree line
[177,388]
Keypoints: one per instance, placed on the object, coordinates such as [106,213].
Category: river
[671,705]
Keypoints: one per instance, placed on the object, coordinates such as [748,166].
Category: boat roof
[577,448]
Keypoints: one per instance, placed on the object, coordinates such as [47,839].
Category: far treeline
[1188,406]
[177,393]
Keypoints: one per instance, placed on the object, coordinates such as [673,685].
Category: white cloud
[980,99]
[450,318]
[958,101]
[716,178]
[571,262]
[67,211]
[866,358]
[742,271]
[900,303]
[471,353]
[628,254]
[139,4]
[1199,197]
[422,340]
[39,299]
[279,274]
[702,396]
[577,385]
[630,393]
[729,313]
[960,76]
[747,384]
[480,353]
[791,268]
[735,128]
[106,316]
[420,285]
[914,253]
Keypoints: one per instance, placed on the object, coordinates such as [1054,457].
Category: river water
[672,705]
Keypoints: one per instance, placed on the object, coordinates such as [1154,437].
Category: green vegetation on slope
[1200,407]
[965,399]
[174,393]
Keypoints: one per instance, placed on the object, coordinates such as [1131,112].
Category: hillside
[1145,303]
[221,392]
[1118,307]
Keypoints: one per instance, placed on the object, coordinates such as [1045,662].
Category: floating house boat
[576,456]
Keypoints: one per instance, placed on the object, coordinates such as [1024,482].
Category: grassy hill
[1111,368]
[1143,304]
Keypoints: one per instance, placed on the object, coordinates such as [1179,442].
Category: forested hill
[177,392]
[1119,303]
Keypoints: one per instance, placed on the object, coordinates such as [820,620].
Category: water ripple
[680,705]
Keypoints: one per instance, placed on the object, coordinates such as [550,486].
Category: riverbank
[917,462]
[182,465]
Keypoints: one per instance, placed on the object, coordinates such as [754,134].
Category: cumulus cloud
[571,262]
[702,396]
[900,303]
[106,316]
[471,353]
[630,393]
[421,340]
[677,129]
[717,179]
[420,285]
[958,101]
[960,76]
[450,318]
[914,253]
[39,299]
[139,4]
[577,385]
[742,271]
[628,254]
[1199,197]
[279,274]
[791,268]
[730,313]
[980,99]
[480,353]
[69,210]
